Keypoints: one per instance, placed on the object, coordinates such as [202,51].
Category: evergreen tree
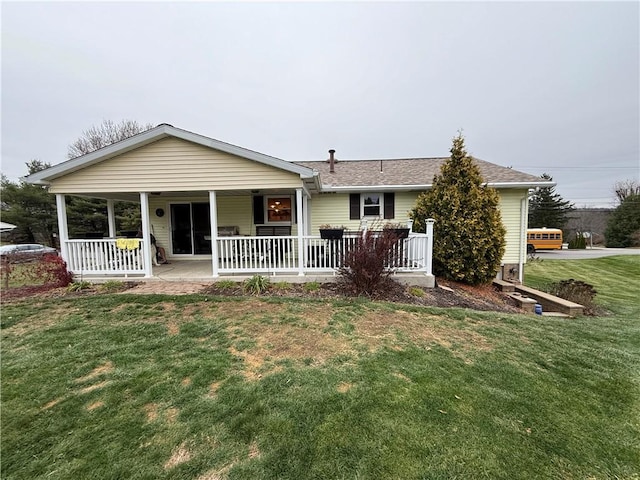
[469,237]
[547,208]
[623,228]
[30,207]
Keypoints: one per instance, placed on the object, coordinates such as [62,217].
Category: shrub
[112,286]
[578,243]
[78,286]
[416,292]
[50,270]
[311,286]
[576,291]
[364,268]
[225,284]
[469,237]
[281,286]
[256,285]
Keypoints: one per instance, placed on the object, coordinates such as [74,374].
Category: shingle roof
[409,172]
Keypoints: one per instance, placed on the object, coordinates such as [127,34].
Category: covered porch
[239,255]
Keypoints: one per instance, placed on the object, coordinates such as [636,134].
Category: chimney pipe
[332,161]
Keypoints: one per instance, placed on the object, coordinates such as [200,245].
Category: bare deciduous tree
[626,188]
[105,134]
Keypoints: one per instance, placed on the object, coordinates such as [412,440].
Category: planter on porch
[331,233]
[401,232]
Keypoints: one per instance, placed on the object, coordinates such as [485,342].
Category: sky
[543,87]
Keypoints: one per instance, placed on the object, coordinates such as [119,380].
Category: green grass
[199,387]
[616,279]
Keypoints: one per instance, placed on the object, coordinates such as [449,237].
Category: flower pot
[401,232]
[331,233]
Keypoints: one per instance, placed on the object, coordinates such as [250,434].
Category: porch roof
[163,131]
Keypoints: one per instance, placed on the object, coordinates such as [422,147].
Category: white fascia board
[396,188]
[520,184]
[161,131]
[372,188]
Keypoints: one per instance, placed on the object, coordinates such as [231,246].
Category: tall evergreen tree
[30,207]
[469,237]
[547,208]
[623,228]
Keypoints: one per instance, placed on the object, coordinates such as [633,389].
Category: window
[378,205]
[371,203]
[278,209]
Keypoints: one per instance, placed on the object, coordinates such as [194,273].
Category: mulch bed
[446,294]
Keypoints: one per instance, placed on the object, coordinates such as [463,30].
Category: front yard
[204,387]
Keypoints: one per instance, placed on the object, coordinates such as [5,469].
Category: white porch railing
[103,257]
[237,254]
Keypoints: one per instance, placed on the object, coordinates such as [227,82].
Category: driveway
[596,252]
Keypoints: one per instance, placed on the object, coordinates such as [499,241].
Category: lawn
[125,386]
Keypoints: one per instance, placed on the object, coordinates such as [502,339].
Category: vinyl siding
[333,209]
[510,212]
[173,164]
[233,210]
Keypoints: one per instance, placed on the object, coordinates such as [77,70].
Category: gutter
[386,188]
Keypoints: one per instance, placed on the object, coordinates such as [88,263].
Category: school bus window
[545,236]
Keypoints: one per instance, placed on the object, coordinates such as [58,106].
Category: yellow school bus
[543,239]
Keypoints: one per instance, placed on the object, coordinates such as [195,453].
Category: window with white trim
[371,204]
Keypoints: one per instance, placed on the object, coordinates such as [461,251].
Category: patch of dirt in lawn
[254,451]
[179,455]
[172,328]
[51,403]
[344,387]
[377,327]
[105,368]
[91,388]
[151,411]
[95,405]
[275,342]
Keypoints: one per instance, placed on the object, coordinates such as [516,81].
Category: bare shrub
[364,268]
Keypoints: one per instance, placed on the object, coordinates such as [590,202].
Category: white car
[26,250]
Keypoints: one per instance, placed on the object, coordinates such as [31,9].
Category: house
[247,212]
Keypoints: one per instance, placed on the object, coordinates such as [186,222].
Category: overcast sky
[542,87]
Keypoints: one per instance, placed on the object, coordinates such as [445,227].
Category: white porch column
[146,234]
[306,211]
[429,253]
[213,213]
[63,230]
[301,230]
[111,218]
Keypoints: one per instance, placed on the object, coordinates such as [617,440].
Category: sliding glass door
[190,229]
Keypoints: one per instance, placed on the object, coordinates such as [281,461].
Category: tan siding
[174,165]
[510,205]
[333,209]
[405,201]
